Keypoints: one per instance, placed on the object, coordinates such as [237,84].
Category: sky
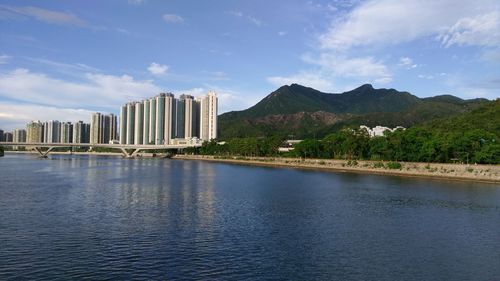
[63,60]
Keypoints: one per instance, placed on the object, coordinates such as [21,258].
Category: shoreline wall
[471,172]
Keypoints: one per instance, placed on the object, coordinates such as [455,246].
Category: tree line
[415,144]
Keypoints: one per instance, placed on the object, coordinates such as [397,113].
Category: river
[95,217]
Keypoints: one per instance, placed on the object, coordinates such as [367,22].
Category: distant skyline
[66,59]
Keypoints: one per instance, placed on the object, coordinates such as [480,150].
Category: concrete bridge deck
[134,148]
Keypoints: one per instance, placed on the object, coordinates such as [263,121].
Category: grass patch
[394,165]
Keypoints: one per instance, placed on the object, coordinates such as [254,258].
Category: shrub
[352,163]
[394,165]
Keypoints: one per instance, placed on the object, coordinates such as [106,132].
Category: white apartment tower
[123,124]
[152,120]
[208,117]
[130,123]
[139,123]
[145,124]
[169,110]
[34,132]
[103,128]
[165,120]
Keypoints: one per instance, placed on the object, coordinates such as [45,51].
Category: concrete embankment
[471,172]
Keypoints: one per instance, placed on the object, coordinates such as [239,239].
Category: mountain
[485,117]
[301,111]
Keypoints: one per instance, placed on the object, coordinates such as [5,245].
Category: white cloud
[235,13]
[136,2]
[386,22]
[407,62]
[94,91]
[218,75]
[483,30]
[4,59]
[425,76]
[341,66]
[282,33]
[172,18]
[333,66]
[229,99]
[157,69]
[45,15]
[311,79]
[15,116]
[491,56]
[65,67]
[255,21]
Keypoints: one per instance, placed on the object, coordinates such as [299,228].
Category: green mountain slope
[305,112]
[485,117]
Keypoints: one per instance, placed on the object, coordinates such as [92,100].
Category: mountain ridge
[362,105]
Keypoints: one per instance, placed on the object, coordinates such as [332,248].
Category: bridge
[125,148]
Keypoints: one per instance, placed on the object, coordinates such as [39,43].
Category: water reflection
[86,217]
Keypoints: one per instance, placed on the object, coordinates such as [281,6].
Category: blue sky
[64,59]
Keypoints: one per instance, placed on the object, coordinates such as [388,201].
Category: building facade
[35,132]
[103,128]
[165,119]
[19,135]
[8,137]
[208,117]
[81,132]
[52,131]
[66,132]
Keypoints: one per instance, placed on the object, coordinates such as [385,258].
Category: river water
[88,217]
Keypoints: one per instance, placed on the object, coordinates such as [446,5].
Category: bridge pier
[43,154]
[126,154]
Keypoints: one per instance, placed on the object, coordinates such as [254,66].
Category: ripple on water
[105,218]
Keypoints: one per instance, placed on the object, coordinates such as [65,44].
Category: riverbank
[471,172]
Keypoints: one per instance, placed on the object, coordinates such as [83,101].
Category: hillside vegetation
[471,137]
[300,112]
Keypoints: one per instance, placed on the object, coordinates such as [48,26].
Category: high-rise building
[123,124]
[208,117]
[66,132]
[145,124]
[112,121]
[164,119]
[130,123]
[196,118]
[139,123]
[81,132]
[52,131]
[152,120]
[19,135]
[160,119]
[8,137]
[95,127]
[1,135]
[103,128]
[169,116]
[179,117]
[34,132]
[188,116]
